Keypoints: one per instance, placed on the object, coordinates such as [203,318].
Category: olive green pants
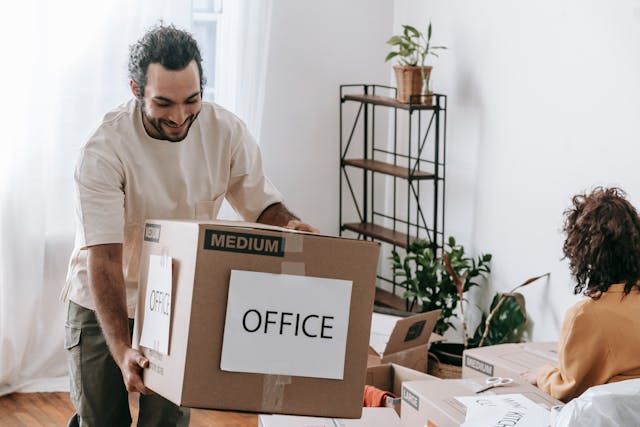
[97,388]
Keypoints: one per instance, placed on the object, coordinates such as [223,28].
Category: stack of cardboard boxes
[248,317]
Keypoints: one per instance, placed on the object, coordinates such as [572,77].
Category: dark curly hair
[602,241]
[172,48]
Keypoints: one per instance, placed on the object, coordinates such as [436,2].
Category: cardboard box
[508,360]
[371,417]
[206,256]
[402,340]
[433,402]
[389,377]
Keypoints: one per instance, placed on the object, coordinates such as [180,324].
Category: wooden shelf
[395,303]
[388,102]
[378,232]
[388,168]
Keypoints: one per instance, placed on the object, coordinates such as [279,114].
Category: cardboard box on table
[389,377]
[402,340]
[508,360]
[371,417]
[433,403]
[205,257]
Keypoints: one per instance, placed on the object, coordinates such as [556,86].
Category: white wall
[544,103]
[315,47]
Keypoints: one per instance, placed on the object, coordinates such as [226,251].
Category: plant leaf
[412,30]
[390,55]
[530,280]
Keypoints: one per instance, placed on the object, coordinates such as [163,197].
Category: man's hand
[295,224]
[131,365]
[278,214]
[107,284]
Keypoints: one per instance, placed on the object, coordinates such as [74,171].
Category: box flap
[412,331]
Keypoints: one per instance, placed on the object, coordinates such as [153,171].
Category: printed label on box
[286,325]
[243,242]
[411,398]
[152,232]
[157,306]
[478,365]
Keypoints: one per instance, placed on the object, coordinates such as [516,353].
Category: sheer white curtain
[63,67]
[241,65]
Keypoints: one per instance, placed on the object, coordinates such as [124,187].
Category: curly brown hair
[603,241]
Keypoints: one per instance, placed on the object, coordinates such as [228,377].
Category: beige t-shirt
[124,177]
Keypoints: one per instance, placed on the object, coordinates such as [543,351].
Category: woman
[600,336]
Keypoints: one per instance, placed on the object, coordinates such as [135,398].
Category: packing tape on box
[293,268]
[293,242]
[273,388]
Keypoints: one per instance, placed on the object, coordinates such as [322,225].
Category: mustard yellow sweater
[599,343]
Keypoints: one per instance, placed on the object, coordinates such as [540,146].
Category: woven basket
[442,370]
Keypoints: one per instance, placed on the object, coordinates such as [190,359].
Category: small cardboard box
[402,340]
[371,417]
[389,377]
[433,403]
[508,360]
[205,258]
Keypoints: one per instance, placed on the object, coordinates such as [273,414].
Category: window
[205,17]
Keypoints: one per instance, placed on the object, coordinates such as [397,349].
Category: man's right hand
[107,284]
[131,364]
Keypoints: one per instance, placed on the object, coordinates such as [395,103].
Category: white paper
[157,305]
[381,328]
[513,410]
[286,325]
[371,417]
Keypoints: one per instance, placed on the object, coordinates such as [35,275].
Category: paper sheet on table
[512,410]
[157,307]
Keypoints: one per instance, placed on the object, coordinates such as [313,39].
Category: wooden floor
[55,409]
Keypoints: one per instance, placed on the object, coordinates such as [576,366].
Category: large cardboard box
[207,257]
[389,377]
[371,417]
[433,403]
[508,360]
[402,340]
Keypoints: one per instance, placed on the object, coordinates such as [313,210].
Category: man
[164,154]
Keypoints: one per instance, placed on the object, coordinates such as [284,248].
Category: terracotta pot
[409,81]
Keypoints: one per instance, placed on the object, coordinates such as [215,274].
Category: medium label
[410,398]
[478,365]
[246,243]
[152,232]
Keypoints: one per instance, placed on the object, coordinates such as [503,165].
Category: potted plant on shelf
[412,75]
[442,282]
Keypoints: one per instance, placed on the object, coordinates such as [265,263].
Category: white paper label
[512,410]
[157,305]
[286,325]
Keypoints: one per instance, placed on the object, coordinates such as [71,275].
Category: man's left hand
[295,224]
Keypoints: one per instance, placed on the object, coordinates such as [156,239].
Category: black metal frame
[435,125]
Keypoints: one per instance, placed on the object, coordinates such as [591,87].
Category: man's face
[171,102]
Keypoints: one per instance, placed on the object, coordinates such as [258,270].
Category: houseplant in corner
[441,281]
[412,75]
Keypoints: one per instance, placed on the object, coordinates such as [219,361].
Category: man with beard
[164,154]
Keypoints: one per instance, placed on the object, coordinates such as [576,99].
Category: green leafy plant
[426,280]
[441,282]
[412,47]
[506,320]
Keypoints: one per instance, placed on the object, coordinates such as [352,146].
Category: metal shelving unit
[414,162]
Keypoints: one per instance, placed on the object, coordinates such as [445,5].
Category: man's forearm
[109,294]
[276,214]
